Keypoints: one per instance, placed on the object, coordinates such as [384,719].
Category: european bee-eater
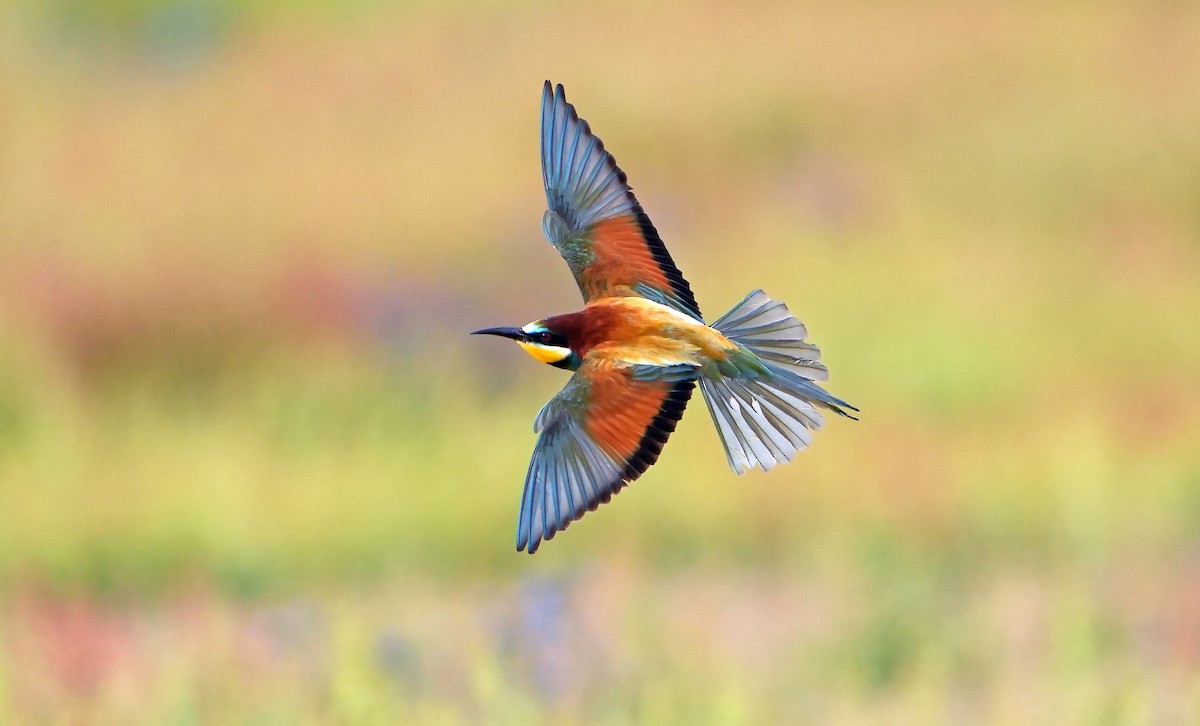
[640,345]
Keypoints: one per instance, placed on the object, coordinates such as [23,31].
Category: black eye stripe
[547,338]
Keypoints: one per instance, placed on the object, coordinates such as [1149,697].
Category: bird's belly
[647,333]
[652,351]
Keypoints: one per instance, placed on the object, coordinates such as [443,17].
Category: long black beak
[514,333]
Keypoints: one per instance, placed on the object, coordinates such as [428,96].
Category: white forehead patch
[533,328]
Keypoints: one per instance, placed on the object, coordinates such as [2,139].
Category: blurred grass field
[252,470]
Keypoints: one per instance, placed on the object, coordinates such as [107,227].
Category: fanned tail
[767,411]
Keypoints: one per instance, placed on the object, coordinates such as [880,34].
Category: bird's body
[640,331]
[639,347]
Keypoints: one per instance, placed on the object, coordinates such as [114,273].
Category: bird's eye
[544,338]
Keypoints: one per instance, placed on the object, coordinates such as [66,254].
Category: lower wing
[603,430]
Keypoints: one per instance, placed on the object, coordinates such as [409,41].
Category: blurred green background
[252,470]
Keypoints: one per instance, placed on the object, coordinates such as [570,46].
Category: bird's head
[541,341]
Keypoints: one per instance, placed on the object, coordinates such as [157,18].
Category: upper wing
[595,221]
[603,429]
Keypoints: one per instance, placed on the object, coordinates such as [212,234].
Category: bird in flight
[639,346]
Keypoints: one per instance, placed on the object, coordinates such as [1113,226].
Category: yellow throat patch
[545,353]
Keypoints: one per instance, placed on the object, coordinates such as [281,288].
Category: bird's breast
[643,331]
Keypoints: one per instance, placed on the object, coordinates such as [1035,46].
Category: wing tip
[529,543]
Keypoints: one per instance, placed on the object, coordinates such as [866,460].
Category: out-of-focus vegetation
[252,469]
